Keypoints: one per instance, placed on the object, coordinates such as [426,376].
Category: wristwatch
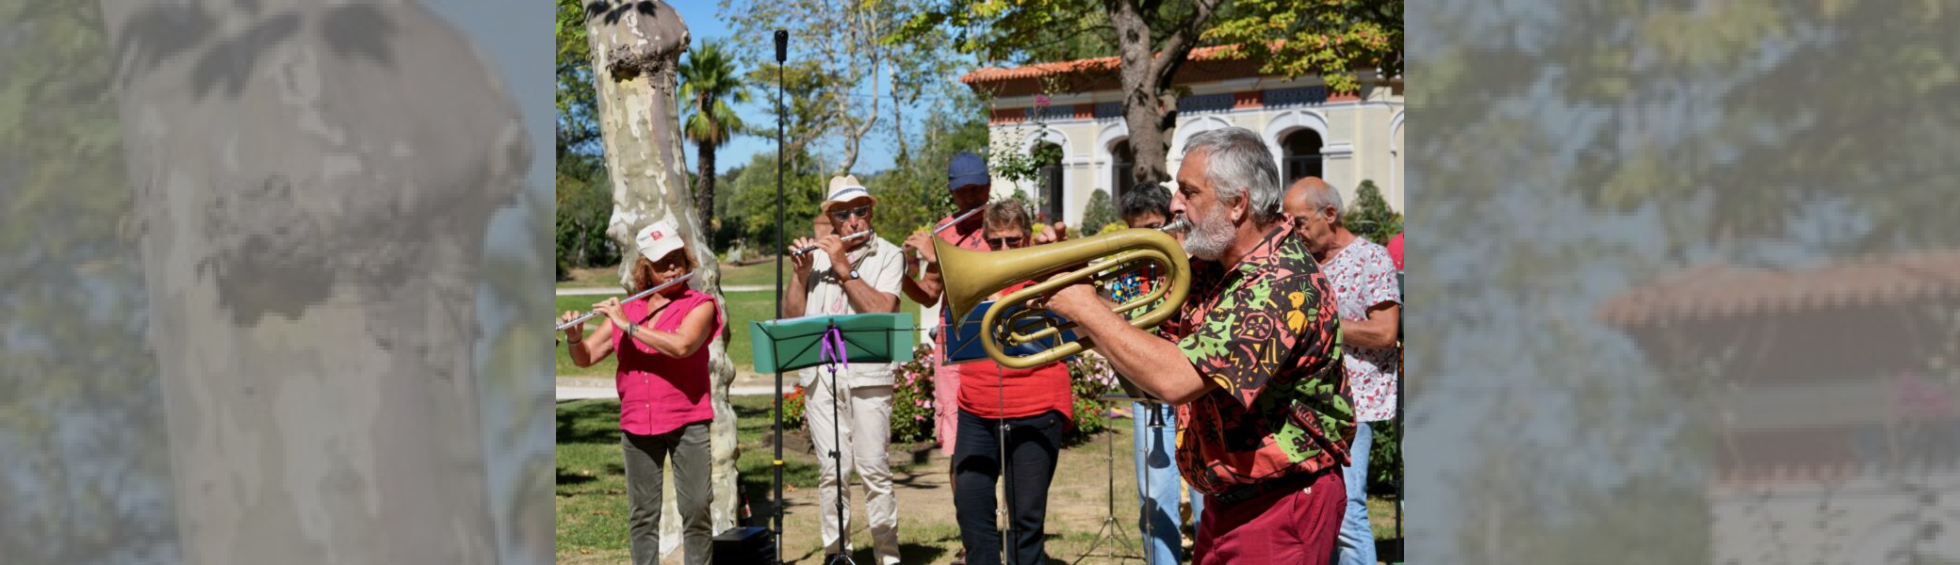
[854,276]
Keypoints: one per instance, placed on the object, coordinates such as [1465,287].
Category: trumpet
[972,276]
[957,219]
[802,250]
[912,256]
[642,294]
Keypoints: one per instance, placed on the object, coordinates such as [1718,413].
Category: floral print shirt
[1364,276]
[1267,333]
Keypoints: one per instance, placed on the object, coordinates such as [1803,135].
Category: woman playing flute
[664,406]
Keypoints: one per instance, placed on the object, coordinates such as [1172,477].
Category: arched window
[1302,155]
[1050,177]
[1123,160]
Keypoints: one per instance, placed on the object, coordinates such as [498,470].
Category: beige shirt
[880,264]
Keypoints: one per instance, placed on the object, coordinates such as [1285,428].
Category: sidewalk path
[746,384]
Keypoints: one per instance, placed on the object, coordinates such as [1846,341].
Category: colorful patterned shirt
[1266,333]
[1364,276]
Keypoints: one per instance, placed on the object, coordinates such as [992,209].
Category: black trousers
[1032,446]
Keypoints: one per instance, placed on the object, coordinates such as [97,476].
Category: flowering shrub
[912,398]
[1090,377]
[793,409]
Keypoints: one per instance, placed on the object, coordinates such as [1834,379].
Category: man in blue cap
[967,177]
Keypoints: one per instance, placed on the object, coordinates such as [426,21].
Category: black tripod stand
[1111,530]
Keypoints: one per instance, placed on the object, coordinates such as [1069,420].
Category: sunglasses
[845,215]
[1003,242]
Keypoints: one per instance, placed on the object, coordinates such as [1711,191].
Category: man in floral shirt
[1263,416]
[1363,275]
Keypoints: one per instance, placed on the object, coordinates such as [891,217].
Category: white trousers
[865,433]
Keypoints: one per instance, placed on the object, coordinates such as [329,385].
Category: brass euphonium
[972,276]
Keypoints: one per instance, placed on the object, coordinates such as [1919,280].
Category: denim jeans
[1156,466]
[1357,544]
[1033,445]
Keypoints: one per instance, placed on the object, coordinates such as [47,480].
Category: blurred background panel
[265,266]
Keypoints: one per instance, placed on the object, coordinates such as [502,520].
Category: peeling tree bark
[636,46]
[312,185]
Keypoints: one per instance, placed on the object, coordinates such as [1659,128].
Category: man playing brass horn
[1255,366]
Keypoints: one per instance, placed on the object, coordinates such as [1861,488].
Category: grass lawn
[743,307]
[591,499]
[758,274]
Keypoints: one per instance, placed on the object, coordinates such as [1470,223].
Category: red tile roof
[1104,64]
[1719,290]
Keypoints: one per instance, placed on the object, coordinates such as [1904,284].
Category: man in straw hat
[850,275]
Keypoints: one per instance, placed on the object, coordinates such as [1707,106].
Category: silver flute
[957,219]
[642,294]
[803,250]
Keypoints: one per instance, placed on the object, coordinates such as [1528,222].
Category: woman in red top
[1035,405]
[664,405]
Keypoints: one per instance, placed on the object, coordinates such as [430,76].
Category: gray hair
[1238,165]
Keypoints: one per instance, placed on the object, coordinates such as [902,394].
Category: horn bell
[970,277]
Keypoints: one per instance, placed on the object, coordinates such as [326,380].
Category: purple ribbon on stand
[833,353]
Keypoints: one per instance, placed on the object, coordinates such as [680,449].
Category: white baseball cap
[659,239]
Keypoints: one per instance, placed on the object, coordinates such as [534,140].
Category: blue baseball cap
[966,169]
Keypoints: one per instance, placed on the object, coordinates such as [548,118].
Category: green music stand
[796,343]
[788,345]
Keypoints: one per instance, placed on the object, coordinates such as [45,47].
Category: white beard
[1210,235]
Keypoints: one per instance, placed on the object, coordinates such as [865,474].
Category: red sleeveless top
[657,393]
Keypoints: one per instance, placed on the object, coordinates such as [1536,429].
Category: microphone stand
[782,54]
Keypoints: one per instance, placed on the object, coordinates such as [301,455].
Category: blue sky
[704,22]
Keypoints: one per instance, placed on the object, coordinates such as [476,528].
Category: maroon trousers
[1280,527]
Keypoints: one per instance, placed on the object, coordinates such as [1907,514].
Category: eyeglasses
[845,215]
[1004,242]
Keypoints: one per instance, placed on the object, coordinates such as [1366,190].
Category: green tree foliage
[913,195]
[709,81]
[584,206]
[578,110]
[1331,39]
[1603,145]
[854,77]
[754,200]
[85,475]
[584,193]
[1154,39]
[1101,213]
[1370,215]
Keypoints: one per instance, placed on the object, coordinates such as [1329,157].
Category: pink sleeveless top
[657,393]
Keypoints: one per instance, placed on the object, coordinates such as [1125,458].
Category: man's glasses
[1004,242]
[846,215]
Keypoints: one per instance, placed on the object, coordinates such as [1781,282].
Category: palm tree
[709,81]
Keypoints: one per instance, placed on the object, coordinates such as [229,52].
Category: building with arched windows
[1075,108]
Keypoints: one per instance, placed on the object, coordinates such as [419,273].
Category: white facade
[1360,135]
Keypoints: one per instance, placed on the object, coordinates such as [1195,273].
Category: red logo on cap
[655,234]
